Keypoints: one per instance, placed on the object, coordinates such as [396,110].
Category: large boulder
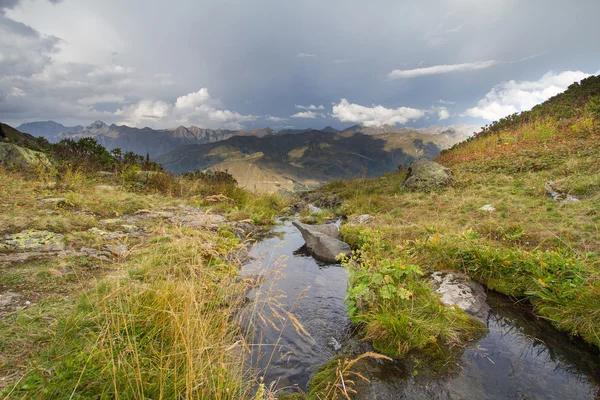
[424,174]
[459,290]
[323,241]
[11,155]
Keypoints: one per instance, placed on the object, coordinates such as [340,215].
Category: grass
[158,323]
[531,246]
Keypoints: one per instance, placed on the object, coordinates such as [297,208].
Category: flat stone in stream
[323,242]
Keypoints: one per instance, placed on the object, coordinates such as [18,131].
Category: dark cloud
[262,58]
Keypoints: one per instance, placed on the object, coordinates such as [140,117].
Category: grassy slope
[531,246]
[156,323]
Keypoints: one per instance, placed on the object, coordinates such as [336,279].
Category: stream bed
[301,323]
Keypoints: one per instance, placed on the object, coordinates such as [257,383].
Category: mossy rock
[424,175]
[34,241]
[13,155]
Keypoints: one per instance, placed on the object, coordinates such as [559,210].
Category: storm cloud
[258,63]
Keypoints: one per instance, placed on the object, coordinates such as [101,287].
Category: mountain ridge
[157,142]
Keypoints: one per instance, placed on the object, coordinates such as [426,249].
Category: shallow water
[314,293]
[520,357]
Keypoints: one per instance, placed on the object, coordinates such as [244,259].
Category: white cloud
[306,55]
[310,107]
[443,113]
[308,115]
[376,115]
[510,97]
[144,113]
[275,119]
[440,69]
[342,61]
[196,108]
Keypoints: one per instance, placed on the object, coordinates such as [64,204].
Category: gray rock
[488,208]
[460,290]
[323,241]
[424,174]
[11,154]
[559,195]
[34,241]
[119,250]
[8,299]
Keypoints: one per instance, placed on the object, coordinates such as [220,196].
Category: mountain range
[141,141]
[268,159]
[305,159]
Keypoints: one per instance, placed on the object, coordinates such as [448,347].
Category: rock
[149,214]
[104,174]
[11,302]
[558,194]
[56,201]
[106,234]
[335,345]
[11,154]
[424,174]
[460,290]
[364,219]
[488,208]
[322,241]
[198,220]
[8,299]
[119,250]
[35,241]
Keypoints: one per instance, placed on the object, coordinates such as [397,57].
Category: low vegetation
[153,322]
[530,247]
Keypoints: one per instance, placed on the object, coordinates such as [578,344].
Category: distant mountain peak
[98,125]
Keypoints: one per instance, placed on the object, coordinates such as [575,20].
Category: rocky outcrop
[323,241]
[13,155]
[33,241]
[460,290]
[425,174]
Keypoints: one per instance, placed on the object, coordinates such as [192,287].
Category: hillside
[496,222]
[304,159]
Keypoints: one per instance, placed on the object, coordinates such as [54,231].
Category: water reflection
[520,357]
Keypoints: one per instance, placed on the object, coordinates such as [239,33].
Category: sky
[289,64]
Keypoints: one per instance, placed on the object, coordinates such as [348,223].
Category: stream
[300,323]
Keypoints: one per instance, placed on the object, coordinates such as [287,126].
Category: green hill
[530,247]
